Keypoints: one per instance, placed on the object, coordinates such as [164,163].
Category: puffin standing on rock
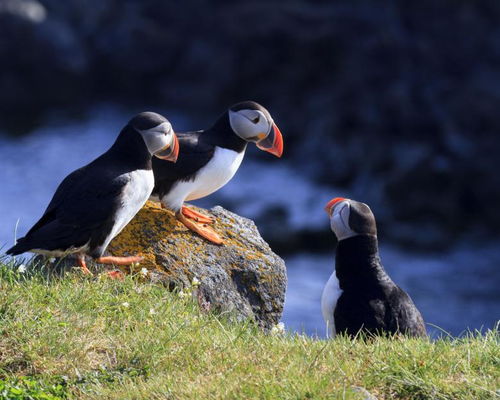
[94,203]
[208,159]
[360,296]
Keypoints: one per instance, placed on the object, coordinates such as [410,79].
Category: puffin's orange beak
[175,151]
[329,206]
[170,152]
[273,143]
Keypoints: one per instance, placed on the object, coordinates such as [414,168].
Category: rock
[243,277]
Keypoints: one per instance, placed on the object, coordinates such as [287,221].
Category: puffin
[94,203]
[209,158]
[360,295]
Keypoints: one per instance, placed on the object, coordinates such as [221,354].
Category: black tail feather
[18,248]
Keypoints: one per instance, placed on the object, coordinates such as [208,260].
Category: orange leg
[204,231]
[117,274]
[119,260]
[195,215]
[83,264]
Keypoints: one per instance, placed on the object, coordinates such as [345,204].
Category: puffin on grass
[360,296]
[94,203]
[208,159]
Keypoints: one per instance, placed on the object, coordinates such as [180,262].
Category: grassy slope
[87,338]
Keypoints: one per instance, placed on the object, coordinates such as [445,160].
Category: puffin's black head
[253,123]
[350,218]
[158,135]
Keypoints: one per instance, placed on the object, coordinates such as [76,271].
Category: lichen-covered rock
[243,276]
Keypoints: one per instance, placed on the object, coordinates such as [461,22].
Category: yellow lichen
[155,230]
[134,239]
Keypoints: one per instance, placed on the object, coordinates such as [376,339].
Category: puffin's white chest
[210,178]
[329,297]
[134,196]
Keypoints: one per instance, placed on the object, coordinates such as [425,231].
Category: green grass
[88,338]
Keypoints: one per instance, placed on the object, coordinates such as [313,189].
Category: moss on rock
[243,276]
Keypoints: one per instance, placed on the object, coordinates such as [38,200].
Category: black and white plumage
[208,159]
[360,295]
[94,203]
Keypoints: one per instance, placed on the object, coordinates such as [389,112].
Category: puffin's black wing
[390,310]
[194,153]
[85,202]
[359,311]
[405,315]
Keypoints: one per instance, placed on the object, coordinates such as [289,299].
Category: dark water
[455,290]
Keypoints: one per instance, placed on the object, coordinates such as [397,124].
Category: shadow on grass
[18,269]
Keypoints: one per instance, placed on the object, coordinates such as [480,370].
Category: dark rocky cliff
[394,101]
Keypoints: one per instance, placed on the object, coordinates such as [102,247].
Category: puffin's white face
[161,141]
[250,125]
[339,210]
[254,126]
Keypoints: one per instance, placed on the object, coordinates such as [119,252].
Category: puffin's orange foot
[202,230]
[119,260]
[116,274]
[195,215]
[83,265]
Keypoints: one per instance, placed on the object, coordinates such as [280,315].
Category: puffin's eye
[256,119]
